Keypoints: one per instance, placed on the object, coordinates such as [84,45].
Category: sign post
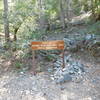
[63,65]
[47,45]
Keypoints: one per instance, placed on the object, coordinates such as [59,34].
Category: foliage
[94,28]
[20,12]
[18,64]
[1,16]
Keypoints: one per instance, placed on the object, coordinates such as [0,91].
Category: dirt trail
[24,86]
[40,87]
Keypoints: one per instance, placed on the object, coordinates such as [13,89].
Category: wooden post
[63,59]
[33,63]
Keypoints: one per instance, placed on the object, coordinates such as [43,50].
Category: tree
[6,21]
[68,8]
[43,21]
[41,13]
[62,15]
[20,12]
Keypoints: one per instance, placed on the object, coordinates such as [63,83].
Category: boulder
[64,78]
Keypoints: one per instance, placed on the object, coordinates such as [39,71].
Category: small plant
[18,65]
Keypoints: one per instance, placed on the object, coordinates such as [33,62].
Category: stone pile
[73,71]
[73,43]
[80,42]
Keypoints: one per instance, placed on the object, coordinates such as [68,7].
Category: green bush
[94,28]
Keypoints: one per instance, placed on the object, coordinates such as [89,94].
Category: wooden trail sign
[47,45]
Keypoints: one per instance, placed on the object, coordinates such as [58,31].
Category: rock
[52,77]
[94,48]
[77,22]
[21,72]
[50,70]
[62,87]
[27,92]
[71,72]
[81,66]
[68,59]
[57,65]
[72,43]
[67,77]
[64,78]
[89,37]
[80,42]
[60,80]
[77,79]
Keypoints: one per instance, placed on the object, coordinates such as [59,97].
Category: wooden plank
[48,45]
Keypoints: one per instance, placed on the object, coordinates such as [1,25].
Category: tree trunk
[6,22]
[41,14]
[93,8]
[15,32]
[68,9]
[62,16]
